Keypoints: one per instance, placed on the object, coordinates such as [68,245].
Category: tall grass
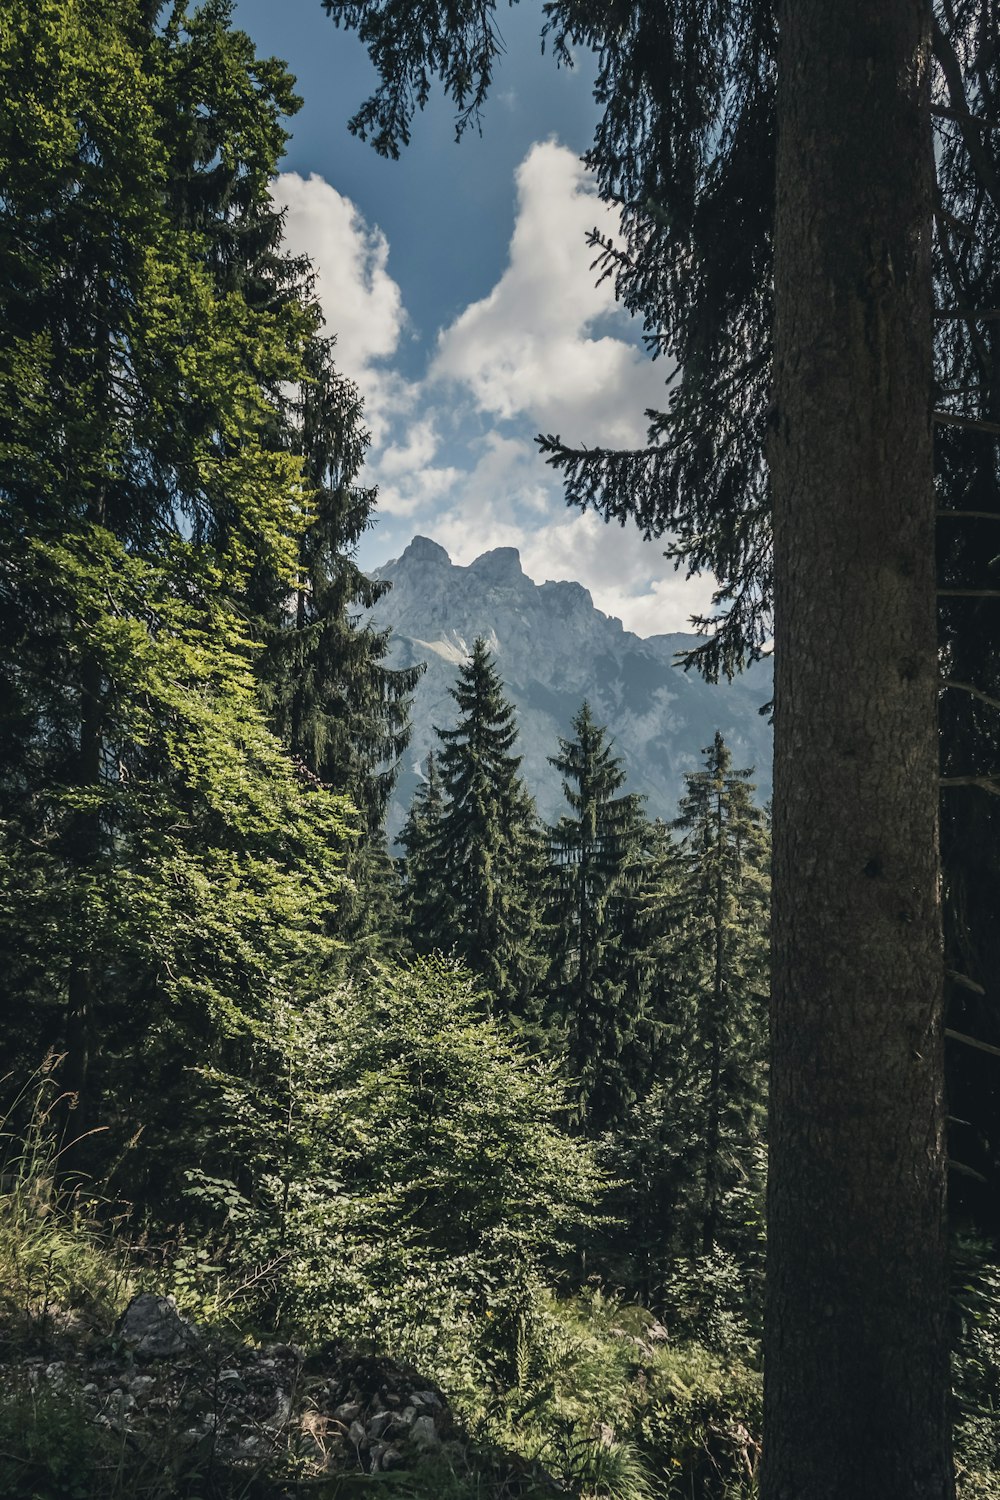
[60,1260]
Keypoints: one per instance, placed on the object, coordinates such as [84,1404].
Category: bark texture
[856,1367]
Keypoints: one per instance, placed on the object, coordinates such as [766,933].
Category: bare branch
[976,424]
[974,692]
[981,159]
[964,981]
[972,515]
[971,1041]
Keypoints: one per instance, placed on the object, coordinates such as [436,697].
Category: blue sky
[457,281]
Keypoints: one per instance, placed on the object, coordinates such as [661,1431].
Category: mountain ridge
[554,648]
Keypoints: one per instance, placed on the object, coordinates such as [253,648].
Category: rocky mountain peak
[423,550]
[502,565]
[553,649]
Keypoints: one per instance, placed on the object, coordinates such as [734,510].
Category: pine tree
[720,948]
[489,847]
[597,971]
[165,866]
[428,907]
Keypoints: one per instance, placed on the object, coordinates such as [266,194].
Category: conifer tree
[489,847]
[341,709]
[597,972]
[164,865]
[719,955]
[427,901]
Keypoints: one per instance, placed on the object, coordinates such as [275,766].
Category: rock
[424,1434]
[347,1411]
[376,1450]
[392,1458]
[154,1329]
[427,1398]
[357,1435]
[281,1413]
[379,1423]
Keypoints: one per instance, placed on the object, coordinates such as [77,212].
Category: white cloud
[535,344]
[361,302]
[453,455]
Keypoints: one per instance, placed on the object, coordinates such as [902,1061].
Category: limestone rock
[153,1328]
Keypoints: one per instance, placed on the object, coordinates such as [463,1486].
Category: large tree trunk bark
[856,1364]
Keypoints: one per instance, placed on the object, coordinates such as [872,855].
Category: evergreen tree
[720,950]
[334,700]
[342,710]
[489,848]
[597,970]
[427,901]
[165,866]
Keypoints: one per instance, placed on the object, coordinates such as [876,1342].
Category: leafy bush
[976,1372]
[399,1160]
[701,1424]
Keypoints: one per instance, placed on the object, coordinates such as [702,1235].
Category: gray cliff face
[553,649]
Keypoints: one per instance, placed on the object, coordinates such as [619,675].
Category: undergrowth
[588,1389]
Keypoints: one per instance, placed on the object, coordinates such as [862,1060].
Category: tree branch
[964,981]
[974,692]
[978,155]
[971,1041]
[946,419]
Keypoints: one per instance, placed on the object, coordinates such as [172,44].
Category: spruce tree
[427,901]
[719,953]
[489,846]
[597,971]
[164,864]
[341,709]
[333,699]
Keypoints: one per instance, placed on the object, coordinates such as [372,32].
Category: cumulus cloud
[361,302]
[452,454]
[538,344]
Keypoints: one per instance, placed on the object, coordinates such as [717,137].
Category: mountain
[553,649]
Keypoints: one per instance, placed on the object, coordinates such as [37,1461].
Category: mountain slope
[554,649]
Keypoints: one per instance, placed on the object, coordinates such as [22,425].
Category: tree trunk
[85,835]
[713,1131]
[856,1364]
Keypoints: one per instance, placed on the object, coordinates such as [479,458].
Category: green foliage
[402,1162]
[612,1409]
[718,949]
[55,1251]
[166,868]
[599,965]
[976,1370]
[476,872]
